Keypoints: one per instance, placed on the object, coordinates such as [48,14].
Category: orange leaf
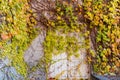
[4,36]
[1,47]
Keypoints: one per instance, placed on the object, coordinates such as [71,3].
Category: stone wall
[72,69]
[62,68]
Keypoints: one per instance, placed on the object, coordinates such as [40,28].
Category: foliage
[16,32]
[104,18]
[64,33]
[101,17]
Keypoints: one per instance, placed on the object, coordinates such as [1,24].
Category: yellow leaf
[58,17]
[108,67]
[58,9]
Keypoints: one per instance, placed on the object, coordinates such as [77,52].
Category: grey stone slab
[8,72]
[39,74]
[35,51]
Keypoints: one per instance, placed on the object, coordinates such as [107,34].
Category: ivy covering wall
[98,21]
[104,21]
[100,25]
[16,32]
[61,33]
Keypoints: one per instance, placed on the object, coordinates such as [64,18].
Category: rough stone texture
[33,55]
[35,51]
[74,68]
[8,72]
[69,67]
[39,74]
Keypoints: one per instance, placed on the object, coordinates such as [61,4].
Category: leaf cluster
[16,32]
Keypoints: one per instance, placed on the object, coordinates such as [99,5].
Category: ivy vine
[97,21]
[16,32]
[104,20]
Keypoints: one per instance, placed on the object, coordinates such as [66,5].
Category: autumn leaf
[58,17]
[4,36]
[1,47]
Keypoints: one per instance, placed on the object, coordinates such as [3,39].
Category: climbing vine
[16,32]
[65,32]
[72,27]
[102,20]
[104,17]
